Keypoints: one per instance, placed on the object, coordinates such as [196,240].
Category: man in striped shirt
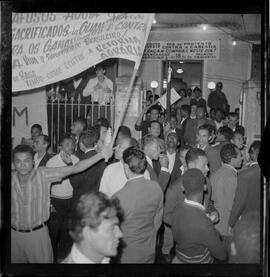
[30,203]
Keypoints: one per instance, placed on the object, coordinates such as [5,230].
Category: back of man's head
[102,121]
[193,182]
[90,137]
[124,131]
[254,150]
[193,154]
[135,159]
[148,140]
[227,152]
[245,245]
[226,132]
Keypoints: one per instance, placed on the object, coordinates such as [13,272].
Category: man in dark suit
[142,203]
[195,158]
[248,191]
[88,180]
[197,240]
[158,171]
[41,145]
[175,171]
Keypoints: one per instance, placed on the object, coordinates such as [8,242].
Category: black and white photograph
[134,140]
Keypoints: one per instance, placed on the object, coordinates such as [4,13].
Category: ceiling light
[154,84]
[181,62]
[180,71]
[234,43]
[204,27]
[211,85]
[154,21]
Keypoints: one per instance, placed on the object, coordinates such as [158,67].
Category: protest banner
[27,110]
[50,47]
[181,50]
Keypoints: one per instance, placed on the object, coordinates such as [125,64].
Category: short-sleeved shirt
[30,203]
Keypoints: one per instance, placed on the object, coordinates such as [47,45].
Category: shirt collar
[136,177]
[79,258]
[194,204]
[38,159]
[171,155]
[203,148]
[88,150]
[149,161]
[253,163]
[228,165]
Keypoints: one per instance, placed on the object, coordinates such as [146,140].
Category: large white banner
[27,110]
[181,50]
[49,47]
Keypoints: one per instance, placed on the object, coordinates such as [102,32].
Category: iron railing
[62,113]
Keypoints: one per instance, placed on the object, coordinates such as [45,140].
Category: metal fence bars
[62,113]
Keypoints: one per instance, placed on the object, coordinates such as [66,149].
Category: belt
[31,230]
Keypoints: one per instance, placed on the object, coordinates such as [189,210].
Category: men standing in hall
[41,145]
[30,203]
[142,203]
[197,240]
[224,182]
[114,178]
[158,171]
[248,191]
[88,180]
[218,100]
[94,227]
[61,195]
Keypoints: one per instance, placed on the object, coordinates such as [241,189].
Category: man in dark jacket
[88,180]
[197,240]
[218,100]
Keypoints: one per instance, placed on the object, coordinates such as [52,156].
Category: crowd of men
[188,191]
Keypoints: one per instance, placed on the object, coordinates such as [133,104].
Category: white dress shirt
[79,258]
[38,160]
[171,158]
[62,190]
[98,90]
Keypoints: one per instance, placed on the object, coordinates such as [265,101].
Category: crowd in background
[188,191]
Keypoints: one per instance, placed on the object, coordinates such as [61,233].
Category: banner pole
[129,91]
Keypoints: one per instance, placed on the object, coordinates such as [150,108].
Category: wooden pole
[168,109]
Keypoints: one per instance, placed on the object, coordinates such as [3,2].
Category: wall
[232,68]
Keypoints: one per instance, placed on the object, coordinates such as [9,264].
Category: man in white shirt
[114,178]
[61,194]
[94,229]
[100,88]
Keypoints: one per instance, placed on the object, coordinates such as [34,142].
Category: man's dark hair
[226,132]
[82,121]
[204,127]
[90,137]
[219,110]
[100,66]
[234,114]
[90,210]
[227,152]
[193,154]
[37,126]
[66,136]
[184,90]
[102,121]
[125,131]
[237,132]
[185,108]
[46,140]
[155,107]
[135,159]
[23,148]
[255,146]
[197,88]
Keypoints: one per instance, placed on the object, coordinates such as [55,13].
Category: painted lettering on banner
[57,46]
[181,50]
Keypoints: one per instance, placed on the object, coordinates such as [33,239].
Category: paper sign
[174,97]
